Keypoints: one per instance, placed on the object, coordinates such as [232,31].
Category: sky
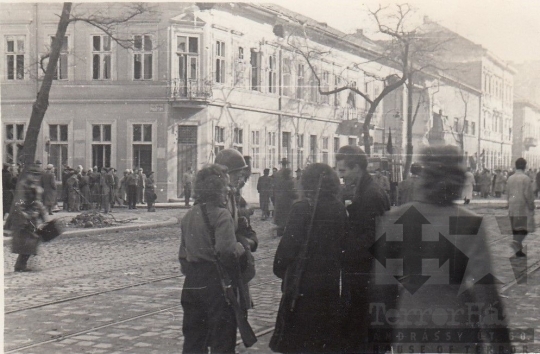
[508,28]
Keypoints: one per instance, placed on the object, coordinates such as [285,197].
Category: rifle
[246,332]
[301,265]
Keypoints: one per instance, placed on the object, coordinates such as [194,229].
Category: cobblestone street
[120,292]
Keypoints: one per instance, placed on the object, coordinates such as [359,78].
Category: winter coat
[48,181]
[520,195]
[284,196]
[370,201]
[149,193]
[73,193]
[466,279]
[84,185]
[500,182]
[28,213]
[314,325]
[468,186]
[485,182]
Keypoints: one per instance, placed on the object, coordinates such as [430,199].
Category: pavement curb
[111,230]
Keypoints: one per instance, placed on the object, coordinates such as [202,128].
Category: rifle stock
[299,270]
[246,332]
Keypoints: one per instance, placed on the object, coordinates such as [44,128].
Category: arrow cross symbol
[413,250]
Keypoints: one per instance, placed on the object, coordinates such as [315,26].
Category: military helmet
[232,159]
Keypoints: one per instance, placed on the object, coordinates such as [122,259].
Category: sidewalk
[166,214]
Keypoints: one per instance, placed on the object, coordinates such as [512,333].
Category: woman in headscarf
[312,325]
[29,211]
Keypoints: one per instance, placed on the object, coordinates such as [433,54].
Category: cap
[50,166]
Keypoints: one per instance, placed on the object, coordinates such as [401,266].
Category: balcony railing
[530,142]
[180,89]
[436,136]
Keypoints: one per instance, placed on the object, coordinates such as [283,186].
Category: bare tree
[418,50]
[389,82]
[106,21]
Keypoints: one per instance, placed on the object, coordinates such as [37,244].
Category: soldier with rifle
[309,260]
[209,255]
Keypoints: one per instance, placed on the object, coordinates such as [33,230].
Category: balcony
[530,142]
[198,91]
[436,137]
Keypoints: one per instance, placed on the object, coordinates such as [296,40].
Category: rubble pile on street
[96,219]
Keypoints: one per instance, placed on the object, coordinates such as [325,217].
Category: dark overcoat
[48,181]
[285,196]
[314,325]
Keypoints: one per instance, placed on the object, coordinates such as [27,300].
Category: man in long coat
[520,194]
[264,187]
[369,202]
[48,182]
[285,195]
[73,192]
[485,183]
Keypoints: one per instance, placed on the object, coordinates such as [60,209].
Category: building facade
[526,132]
[194,81]
[185,81]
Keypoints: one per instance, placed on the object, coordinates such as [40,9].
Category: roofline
[526,102]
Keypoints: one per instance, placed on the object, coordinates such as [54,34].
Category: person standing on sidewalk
[369,202]
[313,325]
[468,186]
[140,186]
[209,320]
[48,181]
[264,187]
[485,183]
[187,182]
[149,191]
[520,196]
[132,181]
[29,211]
[500,184]
[285,196]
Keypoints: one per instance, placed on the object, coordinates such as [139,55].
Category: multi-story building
[195,80]
[480,69]
[526,132]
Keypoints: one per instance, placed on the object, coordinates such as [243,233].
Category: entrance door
[187,153]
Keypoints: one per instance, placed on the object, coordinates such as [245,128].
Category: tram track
[133,318]
[263,256]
